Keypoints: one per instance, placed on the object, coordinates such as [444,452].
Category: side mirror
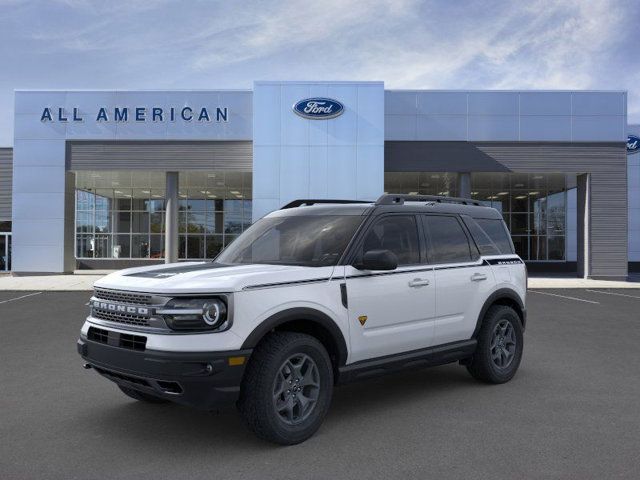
[378,260]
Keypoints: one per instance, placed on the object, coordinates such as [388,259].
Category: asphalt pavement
[570,412]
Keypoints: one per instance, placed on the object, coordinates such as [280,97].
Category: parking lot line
[614,293]
[565,296]
[23,296]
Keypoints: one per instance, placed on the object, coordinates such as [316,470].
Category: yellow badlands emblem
[362,319]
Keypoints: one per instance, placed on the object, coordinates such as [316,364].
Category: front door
[391,311]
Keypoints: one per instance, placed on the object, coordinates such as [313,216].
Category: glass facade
[533,204]
[121,215]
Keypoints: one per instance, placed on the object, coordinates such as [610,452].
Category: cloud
[444,44]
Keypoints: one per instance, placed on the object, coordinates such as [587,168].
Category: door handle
[477,277]
[418,282]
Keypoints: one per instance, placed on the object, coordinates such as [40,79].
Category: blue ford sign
[318,108]
[633,144]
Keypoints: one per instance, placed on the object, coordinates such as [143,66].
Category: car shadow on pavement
[192,431]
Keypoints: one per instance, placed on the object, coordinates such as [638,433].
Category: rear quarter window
[494,239]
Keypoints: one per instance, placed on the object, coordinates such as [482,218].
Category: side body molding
[315,317]
[511,296]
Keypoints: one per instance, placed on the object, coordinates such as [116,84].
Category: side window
[497,232]
[447,241]
[397,233]
[484,243]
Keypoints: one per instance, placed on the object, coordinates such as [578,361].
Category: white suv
[318,293]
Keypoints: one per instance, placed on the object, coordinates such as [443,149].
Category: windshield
[313,241]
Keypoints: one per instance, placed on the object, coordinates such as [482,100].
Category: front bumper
[204,380]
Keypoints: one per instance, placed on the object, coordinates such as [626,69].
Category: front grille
[119,317]
[133,342]
[123,297]
[98,335]
[122,340]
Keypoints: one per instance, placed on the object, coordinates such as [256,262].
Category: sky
[438,44]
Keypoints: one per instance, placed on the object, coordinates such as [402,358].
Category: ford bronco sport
[315,294]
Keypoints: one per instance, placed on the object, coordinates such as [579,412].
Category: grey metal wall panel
[6,181]
[501,116]
[160,155]
[607,163]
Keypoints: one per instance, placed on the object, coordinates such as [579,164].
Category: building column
[171,230]
[584,229]
[464,184]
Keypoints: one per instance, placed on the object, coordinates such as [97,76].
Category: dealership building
[109,179]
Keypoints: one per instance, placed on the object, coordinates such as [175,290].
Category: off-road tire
[141,396]
[258,404]
[482,365]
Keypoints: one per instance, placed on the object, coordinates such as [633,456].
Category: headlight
[195,314]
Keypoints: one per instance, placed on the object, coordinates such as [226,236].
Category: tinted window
[314,241]
[484,243]
[497,232]
[447,241]
[398,234]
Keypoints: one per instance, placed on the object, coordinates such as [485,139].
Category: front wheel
[500,343]
[287,388]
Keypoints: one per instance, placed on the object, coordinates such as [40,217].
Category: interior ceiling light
[503,193]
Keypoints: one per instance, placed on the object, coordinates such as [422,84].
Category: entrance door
[391,311]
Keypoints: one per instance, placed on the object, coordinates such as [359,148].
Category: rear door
[391,311]
[463,281]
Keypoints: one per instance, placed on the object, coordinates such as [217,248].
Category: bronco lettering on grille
[117,308]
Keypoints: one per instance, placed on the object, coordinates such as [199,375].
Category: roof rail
[301,202]
[399,199]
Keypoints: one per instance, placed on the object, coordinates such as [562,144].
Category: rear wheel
[141,396]
[500,343]
[287,388]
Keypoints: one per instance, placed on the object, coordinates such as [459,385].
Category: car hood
[207,277]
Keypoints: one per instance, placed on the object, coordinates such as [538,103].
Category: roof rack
[399,199]
[301,202]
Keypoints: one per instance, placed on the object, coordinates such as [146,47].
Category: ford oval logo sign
[318,108]
[633,144]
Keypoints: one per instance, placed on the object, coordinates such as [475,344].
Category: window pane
[122,246]
[519,223]
[139,246]
[214,245]
[140,222]
[182,247]
[495,229]
[214,222]
[195,246]
[122,222]
[556,248]
[556,216]
[314,240]
[121,202]
[84,246]
[398,234]
[485,244]
[521,245]
[519,201]
[156,246]
[102,246]
[157,222]
[84,222]
[447,241]
[538,248]
[196,222]
[85,200]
